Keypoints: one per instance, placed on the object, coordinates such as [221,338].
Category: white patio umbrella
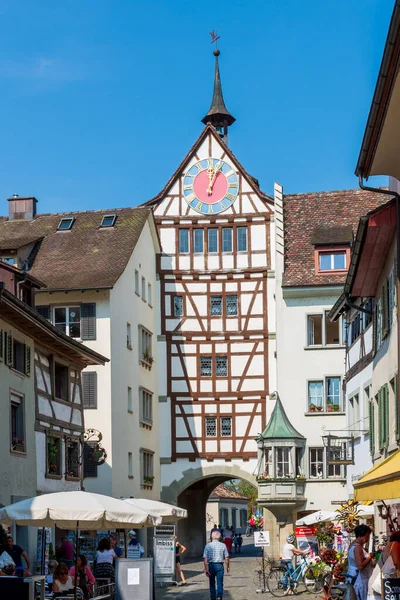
[317,517]
[77,510]
[157,508]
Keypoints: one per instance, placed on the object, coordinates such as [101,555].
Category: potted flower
[17,444]
[148,479]
[312,408]
[336,407]
[147,357]
[319,408]
[329,407]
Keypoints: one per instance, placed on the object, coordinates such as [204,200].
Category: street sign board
[164,530]
[261,539]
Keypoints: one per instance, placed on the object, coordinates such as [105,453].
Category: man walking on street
[215,555]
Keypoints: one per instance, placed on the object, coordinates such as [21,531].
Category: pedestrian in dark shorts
[179,550]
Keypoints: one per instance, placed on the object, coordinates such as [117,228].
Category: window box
[17,445]
[147,359]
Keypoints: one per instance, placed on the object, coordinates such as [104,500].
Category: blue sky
[101,100]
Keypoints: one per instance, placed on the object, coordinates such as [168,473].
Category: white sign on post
[164,556]
[261,539]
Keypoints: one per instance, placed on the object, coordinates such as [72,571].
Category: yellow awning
[382,482]
[367,503]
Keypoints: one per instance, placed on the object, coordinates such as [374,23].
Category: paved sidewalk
[240,584]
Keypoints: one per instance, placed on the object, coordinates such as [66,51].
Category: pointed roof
[279,427]
[209,129]
[218,115]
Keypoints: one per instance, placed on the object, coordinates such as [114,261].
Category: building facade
[42,422]
[228,508]
[215,288]
[99,269]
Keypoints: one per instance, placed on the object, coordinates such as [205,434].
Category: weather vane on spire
[214,38]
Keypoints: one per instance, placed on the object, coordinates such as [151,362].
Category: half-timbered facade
[213,273]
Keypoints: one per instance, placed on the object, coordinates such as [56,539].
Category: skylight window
[108,221]
[65,224]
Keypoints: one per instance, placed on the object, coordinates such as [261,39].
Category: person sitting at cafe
[62,582]
[84,576]
[8,570]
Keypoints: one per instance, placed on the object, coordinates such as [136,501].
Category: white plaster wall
[362,456]
[99,419]
[17,472]
[214,506]
[127,307]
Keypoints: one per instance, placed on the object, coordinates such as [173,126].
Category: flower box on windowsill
[18,447]
[146,485]
[147,363]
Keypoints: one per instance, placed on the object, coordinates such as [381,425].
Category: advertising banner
[164,556]
[307,540]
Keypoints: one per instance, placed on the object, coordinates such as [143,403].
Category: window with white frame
[68,320]
[178,306]
[17,422]
[137,291]
[149,295]
[213,241]
[184,241]
[321,331]
[147,467]
[130,465]
[205,366]
[145,344]
[216,305]
[146,406]
[221,366]
[211,427]
[242,239]
[316,463]
[129,336]
[227,239]
[335,471]
[143,289]
[282,462]
[198,241]
[366,405]
[231,306]
[325,395]
[354,414]
[226,426]
[130,400]
[332,261]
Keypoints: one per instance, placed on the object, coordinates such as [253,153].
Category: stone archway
[192,491]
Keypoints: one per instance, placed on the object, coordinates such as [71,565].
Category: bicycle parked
[281,580]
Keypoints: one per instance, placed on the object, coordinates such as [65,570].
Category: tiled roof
[305,218]
[84,257]
[223,492]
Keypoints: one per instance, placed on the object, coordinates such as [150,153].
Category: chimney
[21,208]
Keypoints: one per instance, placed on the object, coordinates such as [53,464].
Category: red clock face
[210,186]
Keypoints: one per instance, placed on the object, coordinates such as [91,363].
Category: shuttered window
[44,311]
[27,360]
[89,467]
[88,321]
[371,428]
[89,385]
[383,416]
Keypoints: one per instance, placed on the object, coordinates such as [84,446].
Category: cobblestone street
[240,584]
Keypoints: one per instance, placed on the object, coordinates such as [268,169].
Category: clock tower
[216,310]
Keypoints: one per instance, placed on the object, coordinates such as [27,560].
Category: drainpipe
[397,197]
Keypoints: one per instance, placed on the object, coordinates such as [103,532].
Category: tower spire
[218,115]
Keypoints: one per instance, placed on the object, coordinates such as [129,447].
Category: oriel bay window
[282,461]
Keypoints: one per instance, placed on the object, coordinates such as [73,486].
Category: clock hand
[217,169]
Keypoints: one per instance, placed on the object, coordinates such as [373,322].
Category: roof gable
[210,132]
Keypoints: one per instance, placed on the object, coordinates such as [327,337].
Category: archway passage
[191,492]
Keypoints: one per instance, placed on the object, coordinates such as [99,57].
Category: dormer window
[108,221]
[65,224]
[9,260]
[332,259]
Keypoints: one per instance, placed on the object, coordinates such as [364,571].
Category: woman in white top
[62,582]
[104,560]
[288,551]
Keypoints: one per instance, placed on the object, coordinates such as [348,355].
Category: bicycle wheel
[313,579]
[277,582]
